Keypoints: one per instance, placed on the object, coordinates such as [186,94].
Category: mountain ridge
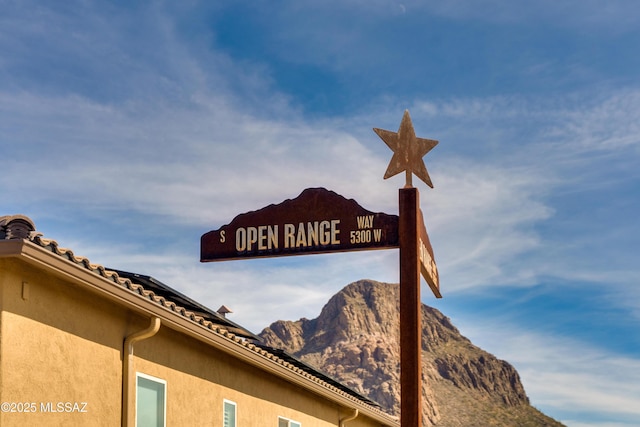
[355,340]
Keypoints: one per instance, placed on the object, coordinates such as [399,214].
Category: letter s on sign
[222,237]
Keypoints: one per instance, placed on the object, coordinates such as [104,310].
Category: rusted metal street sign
[317,221]
[427,261]
[321,221]
[408,151]
[416,258]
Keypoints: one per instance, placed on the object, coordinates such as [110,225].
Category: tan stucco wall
[200,378]
[60,342]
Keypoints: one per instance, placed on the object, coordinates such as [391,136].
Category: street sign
[317,221]
[321,221]
[428,267]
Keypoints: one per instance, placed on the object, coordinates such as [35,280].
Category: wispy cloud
[189,163]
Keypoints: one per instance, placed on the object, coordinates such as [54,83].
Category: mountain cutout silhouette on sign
[317,221]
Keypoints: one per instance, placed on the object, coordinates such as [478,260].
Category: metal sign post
[416,257]
[410,325]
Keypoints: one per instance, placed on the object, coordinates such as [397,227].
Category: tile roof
[178,303]
[170,294]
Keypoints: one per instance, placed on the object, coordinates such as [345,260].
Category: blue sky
[127,131]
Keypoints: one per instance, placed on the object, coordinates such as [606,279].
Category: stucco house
[85,345]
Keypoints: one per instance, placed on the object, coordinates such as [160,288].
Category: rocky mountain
[355,339]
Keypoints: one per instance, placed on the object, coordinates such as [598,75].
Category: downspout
[128,386]
[344,420]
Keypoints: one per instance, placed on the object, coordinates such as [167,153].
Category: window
[284,422]
[150,401]
[229,414]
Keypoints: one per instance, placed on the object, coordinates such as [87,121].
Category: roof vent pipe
[223,311]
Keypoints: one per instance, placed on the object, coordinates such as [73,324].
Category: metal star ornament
[408,151]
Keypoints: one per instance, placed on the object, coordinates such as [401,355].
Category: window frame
[164,393]
[235,412]
[289,422]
